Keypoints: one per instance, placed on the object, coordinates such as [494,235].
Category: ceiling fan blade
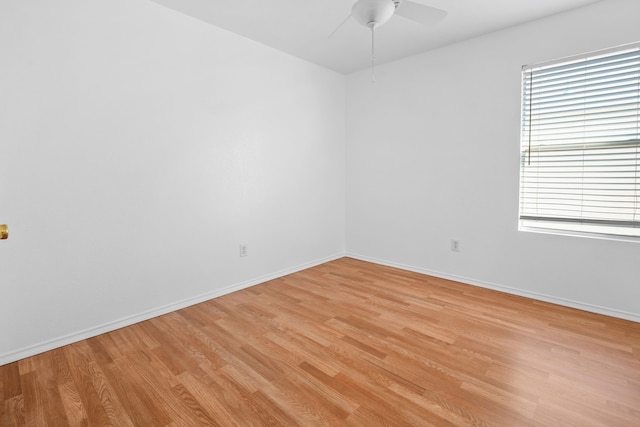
[425,15]
[340,26]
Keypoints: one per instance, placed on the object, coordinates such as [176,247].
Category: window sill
[528,227]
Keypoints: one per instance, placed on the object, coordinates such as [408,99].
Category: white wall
[433,155]
[138,149]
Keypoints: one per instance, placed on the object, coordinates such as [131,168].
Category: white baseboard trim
[506,289]
[32,350]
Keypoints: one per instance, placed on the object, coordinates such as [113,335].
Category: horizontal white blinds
[580,155]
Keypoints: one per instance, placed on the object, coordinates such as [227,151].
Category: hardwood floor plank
[50,397]
[14,412]
[271,414]
[32,398]
[134,398]
[101,405]
[216,409]
[245,410]
[11,397]
[171,353]
[314,406]
[442,407]
[195,413]
[344,343]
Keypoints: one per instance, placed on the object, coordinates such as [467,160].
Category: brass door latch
[4,231]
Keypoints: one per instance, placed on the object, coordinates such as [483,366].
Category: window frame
[582,226]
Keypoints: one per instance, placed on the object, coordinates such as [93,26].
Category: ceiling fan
[377,12]
[373,13]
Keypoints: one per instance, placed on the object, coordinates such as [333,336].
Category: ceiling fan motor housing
[373,12]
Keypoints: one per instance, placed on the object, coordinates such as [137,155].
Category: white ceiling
[302,27]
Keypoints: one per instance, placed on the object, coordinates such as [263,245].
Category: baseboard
[506,289]
[159,311]
[149,314]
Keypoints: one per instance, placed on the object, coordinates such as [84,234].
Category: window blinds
[580,144]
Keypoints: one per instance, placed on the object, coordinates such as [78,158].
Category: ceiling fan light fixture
[373,13]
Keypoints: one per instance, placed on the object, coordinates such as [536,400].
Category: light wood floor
[344,343]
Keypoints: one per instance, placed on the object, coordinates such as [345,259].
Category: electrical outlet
[455,245]
[243,250]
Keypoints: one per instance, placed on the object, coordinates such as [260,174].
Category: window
[580,144]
